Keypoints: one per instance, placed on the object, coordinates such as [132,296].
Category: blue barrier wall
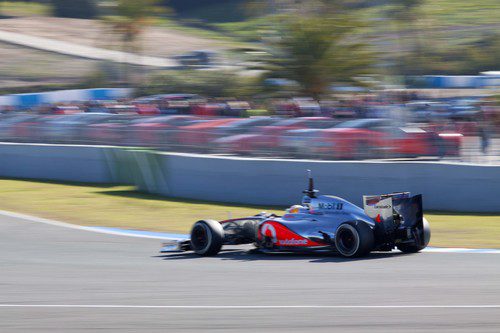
[445,186]
[462,81]
[34,99]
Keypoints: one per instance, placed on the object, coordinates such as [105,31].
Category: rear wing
[386,207]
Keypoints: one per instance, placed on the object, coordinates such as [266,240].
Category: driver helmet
[295,209]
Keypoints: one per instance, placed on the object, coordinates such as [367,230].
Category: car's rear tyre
[207,237]
[414,248]
[354,239]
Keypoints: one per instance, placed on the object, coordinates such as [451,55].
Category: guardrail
[445,186]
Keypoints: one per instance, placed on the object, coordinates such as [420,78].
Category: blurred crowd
[389,125]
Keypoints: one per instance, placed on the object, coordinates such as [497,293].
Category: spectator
[484,134]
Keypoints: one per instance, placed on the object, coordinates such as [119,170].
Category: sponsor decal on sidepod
[283,236]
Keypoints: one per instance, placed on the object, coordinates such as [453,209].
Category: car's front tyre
[207,237]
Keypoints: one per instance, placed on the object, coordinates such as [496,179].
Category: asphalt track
[55,279]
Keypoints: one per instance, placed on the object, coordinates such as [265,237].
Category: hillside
[222,25]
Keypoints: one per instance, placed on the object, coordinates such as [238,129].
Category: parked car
[265,139]
[297,107]
[66,109]
[32,129]
[297,143]
[110,131]
[167,103]
[8,123]
[378,138]
[156,131]
[198,137]
[70,128]
[199,58]
[245,125]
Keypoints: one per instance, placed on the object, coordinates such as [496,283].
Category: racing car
[321,223]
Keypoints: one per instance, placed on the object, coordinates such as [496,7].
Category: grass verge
[122,206]
[24,8]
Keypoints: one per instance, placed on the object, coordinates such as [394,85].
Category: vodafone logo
[286,237]
[293,241]
[268,230]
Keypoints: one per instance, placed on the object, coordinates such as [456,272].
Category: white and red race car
[320,223]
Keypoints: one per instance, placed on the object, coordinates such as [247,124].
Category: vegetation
[424,49]
[465,58]
[208,82]
[112,206]
[131,16]
[410,37]
[317,46]
[405,14]
[313,42]
[122,206]
[129,20]
[23,8]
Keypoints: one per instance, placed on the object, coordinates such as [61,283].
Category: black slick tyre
[354,239]
[207,237]
[414,248]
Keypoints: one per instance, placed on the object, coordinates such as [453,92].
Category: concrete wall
[453,187]
[54,162]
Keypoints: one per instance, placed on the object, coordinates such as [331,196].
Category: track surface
[47,265]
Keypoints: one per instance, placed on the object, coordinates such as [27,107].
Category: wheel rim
[347,240]
[199,236]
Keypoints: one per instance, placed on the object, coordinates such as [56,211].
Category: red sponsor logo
[282,236]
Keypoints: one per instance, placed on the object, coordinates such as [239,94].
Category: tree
[405,14]
[315,52]
[209,83]
[132,16]
[129,21]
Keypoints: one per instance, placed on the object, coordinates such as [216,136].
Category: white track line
[71,226]
[129,233]
[115,306]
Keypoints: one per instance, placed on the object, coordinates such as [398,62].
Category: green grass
[122,206]
[14,8]
[463,12]
[446,12]
[434,16]
[113,206]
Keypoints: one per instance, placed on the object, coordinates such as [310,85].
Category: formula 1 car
[320,223]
